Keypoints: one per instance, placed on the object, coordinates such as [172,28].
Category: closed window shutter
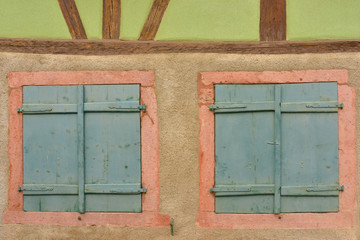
[50,149]
[112,148]
[276,148]
[309,137]
[244,131]
[82,148]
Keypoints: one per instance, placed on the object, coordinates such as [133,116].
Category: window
[276,149]
[81,150]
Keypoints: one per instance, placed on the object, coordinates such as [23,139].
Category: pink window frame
[345,218]
[150,215]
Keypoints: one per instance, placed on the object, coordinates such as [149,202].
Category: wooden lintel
[116,47]
[111,19]
[72,18]
[272,20]
[153,20]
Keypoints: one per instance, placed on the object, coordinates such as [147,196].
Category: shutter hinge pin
[142,108]
[19,110]
[341,105]
[213,107]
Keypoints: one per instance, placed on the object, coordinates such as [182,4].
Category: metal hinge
[319,189]
[39,110]
[35,189]
[128,190]
[214,107]
[340,105]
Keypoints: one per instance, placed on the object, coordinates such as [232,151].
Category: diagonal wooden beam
[72,18]
[153,20]
[272,20]
[111,19]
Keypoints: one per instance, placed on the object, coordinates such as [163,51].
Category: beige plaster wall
[176,91]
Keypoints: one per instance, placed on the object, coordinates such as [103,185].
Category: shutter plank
[309,148]
[112,149]
[49,148]
[242,153]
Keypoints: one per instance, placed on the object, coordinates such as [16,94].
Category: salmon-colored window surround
[150,215]
[345,218]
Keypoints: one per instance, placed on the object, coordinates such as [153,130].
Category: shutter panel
[309,152]
[244,150]
[49,148]
[112,148]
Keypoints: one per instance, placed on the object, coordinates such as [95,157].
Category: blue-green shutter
[82,148]
[244,154]
[309,150]
[276,148]
[112,148]
[50,169]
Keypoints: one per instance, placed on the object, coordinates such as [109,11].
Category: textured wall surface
[176,92]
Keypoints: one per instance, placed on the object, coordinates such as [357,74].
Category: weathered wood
[111,19]
[115,47]
[272,20]
[72,18]
[153,20]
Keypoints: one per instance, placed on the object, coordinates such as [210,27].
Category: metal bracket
[172,226]
[19,110]
[35,189]
[233,106]
[142,108]
[128,191]
[230,190]
[318,189]
[340,105]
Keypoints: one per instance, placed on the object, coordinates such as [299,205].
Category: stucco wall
[176,92]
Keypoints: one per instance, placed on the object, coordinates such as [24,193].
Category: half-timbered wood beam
[272,20]
[116,47]
[153,20]
[111,19]
[72,18]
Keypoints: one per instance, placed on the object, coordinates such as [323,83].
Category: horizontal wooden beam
[115,47]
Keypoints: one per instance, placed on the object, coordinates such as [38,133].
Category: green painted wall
[218,20]
[133,17]
[323,19]
[91,16]
[32,19]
